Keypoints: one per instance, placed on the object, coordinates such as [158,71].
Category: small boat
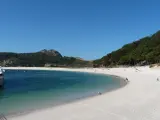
[1,77]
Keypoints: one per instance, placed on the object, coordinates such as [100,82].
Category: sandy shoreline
[122,83]
[139,100]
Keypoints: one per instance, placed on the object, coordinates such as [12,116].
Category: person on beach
[127,80]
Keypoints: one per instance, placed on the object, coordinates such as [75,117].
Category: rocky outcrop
[51,52]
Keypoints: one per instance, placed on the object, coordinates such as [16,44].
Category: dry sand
[138,100]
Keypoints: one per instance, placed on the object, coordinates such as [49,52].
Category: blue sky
[81,28]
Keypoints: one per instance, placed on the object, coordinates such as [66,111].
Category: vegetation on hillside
[141,52]
[47,58]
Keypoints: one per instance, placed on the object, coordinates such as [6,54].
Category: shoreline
[123,83]
[137,100]
[14,115]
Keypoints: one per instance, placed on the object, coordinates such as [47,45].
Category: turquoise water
[29,90]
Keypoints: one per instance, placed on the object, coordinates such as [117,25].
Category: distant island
[145,51]
[43,58]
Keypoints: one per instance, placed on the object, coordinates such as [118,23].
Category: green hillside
[47,58]
[141,52]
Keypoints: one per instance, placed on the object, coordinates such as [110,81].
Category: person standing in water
[1,77]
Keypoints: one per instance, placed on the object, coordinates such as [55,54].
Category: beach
[138,100]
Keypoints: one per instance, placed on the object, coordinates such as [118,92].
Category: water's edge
[123,83]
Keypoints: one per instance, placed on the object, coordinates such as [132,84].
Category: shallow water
[30,89]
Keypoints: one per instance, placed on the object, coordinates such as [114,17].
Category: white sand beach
[138,100]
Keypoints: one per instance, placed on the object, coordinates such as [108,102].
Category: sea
[29,90]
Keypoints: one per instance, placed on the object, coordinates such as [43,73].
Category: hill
[47,58]
[140,52]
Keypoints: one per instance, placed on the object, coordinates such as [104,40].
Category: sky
[81,28]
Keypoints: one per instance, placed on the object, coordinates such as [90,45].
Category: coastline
[121,80]
[130,102]
[122,83]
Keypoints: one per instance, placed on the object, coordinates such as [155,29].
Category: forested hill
[141,52]
[47,58]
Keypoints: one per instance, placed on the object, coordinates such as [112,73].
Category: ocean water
[30,90]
